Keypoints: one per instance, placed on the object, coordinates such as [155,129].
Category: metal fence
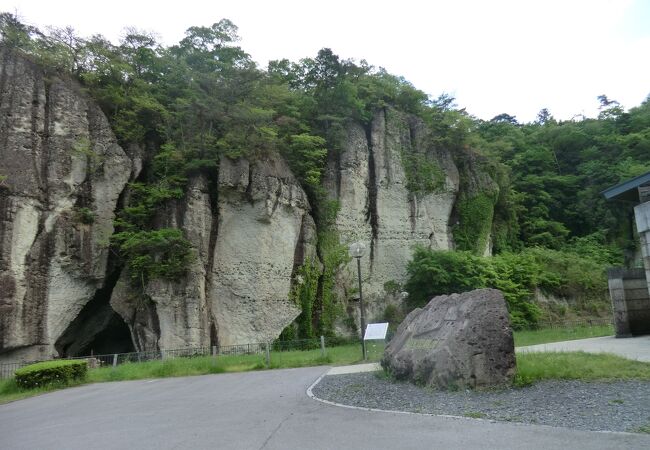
[264,349]
[595,322]
[7,370]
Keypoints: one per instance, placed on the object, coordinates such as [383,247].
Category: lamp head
[357,249]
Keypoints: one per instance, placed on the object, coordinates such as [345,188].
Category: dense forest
[191,103]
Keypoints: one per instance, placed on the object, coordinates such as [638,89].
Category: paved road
[632,348]
[255,410]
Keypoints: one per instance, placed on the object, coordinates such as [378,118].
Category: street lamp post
[357,250]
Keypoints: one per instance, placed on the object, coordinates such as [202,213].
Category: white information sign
[375,331]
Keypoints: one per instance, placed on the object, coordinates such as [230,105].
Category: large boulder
[458,340]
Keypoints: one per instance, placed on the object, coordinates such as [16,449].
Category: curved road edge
[313,396]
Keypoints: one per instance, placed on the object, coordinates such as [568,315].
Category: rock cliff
[64,291]
[369,180]
[248,236]
[65,173]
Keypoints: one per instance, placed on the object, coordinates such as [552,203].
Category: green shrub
[48,372]
[392,287]
[423,174]
[304,294]
[84,215]
[162,253]
[394,315]
[560,273]
[475,215]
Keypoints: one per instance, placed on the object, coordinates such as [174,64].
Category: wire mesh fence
[239,356]
[270,354]
[7,370]
[578,323]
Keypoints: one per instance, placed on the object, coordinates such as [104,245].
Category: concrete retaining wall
[628,289]
[642,217]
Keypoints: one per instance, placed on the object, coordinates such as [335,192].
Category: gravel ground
[596,406]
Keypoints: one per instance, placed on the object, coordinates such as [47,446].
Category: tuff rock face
[65,173]
[64,292]
[458,340]
[173,314]
[264,231]
[369,181]
[248,242]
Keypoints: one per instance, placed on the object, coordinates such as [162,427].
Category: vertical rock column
[173,314]
[405,218]
[64,173]
[368,179]
[261,212]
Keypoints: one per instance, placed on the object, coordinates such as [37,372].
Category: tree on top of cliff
[206,99]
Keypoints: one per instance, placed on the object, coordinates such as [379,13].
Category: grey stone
[458,340]
[262,234]
[59,155]
[368,180]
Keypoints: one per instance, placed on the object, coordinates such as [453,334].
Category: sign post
[375,332]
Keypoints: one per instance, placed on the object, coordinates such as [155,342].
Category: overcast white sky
[494,56]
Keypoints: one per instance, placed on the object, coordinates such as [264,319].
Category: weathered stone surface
[172,314]
[61,159]
[367,178]
[477,183]
[262,224]
[181,306]
[251,227]
[247,244]
[458,340]
[138,312]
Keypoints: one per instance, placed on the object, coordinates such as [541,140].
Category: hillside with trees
[189,104]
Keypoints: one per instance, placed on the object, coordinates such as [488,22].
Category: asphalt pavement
[637,348]
[257,410]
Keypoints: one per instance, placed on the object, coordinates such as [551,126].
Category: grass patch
[180,367]
[177,367]
[475,415]
[642,429]
[10,391]
[533,367]
[546,335]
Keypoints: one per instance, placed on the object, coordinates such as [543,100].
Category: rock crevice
[376,207]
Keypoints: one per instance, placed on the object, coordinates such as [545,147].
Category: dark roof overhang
[628,190]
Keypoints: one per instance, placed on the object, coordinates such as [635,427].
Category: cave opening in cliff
[115,338]
[97,329]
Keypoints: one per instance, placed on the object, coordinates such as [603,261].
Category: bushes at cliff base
[564,274]
[49,372]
